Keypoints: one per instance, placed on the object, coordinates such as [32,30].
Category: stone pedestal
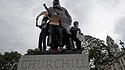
[54,62]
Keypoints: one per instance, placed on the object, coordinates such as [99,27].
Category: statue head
[56,4]
[76,24]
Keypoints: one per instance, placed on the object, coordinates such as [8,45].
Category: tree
[97,51]
[9,60]
[2,62]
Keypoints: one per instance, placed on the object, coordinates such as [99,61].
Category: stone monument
[59,35]
[54,62]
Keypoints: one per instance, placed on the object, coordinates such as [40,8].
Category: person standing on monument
[55,30]
[65,20]
[75,32]
[44,30]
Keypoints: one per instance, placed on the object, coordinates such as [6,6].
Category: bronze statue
[65,23]
[57,28]
[59,33]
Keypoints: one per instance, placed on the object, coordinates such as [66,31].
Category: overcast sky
[97,18]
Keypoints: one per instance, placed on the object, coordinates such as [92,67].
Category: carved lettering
[54,64]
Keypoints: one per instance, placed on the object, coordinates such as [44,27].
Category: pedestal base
[54,62]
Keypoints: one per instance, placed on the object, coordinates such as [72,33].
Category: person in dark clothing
[75,31]
[56,36]
[44,31]
[55,31]
[65,21]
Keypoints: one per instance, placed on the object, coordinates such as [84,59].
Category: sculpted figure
[65,18]
[57,29]
[60,22]
[65,23]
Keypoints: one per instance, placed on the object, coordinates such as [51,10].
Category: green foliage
[9,60]
[98,54]
[32,51]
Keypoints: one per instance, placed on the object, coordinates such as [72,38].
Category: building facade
[118,63]
[117,60]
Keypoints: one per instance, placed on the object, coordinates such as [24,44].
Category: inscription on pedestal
[54,62]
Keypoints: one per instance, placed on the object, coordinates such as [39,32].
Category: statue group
[56,29]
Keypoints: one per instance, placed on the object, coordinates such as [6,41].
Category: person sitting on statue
[65,21]
[75,31]
[44,30]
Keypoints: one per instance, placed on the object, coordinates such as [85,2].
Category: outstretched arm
[37,19]
[42,13]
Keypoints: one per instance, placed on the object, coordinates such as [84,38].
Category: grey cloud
[17,27]
[81,10]
[120,29]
